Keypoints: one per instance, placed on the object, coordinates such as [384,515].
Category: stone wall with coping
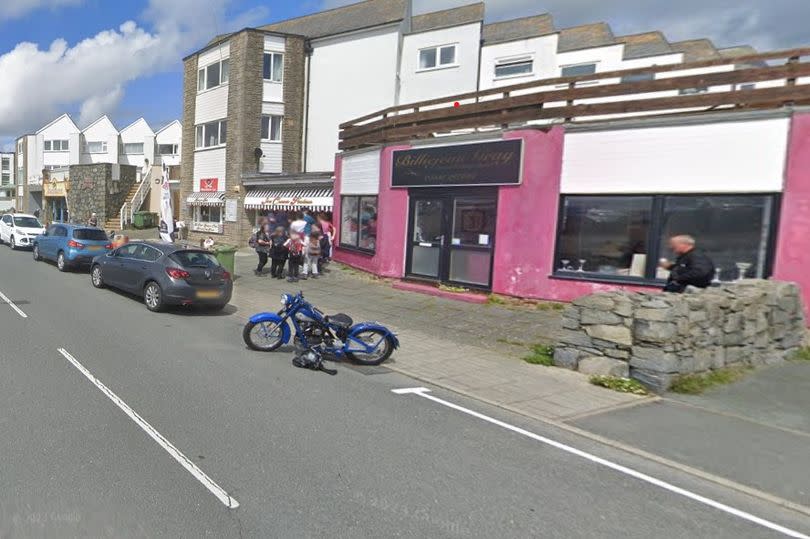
[93,190]
[654,337]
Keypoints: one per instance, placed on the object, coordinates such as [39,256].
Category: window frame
[199,134]
[512,61]
[50,145]
[657,213]
[274,58]
[270,118]
[224,66]
[438,57]
[89,142]
[198,214]
[356,245]
[582,64]
[125,144]
[175,149]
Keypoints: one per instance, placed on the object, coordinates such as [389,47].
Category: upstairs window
[167,149]
[57,146]
[580,70]
[213,75]
[96,147]
[638,77]
[133,148]
[212,134]
[434,57]
[271,128]
[514,67]
[6,163]
[273,69]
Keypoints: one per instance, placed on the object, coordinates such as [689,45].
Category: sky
[123,58]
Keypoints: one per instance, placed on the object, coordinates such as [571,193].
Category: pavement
[303,454]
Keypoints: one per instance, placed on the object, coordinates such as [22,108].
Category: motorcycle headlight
[285,299]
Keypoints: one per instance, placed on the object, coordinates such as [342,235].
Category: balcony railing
[762,81]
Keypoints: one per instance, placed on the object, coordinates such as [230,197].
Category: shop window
[623,237]
[271,128]
[208,214]
[273,69]
[358,217]
[514,67]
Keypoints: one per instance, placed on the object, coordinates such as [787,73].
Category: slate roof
[527,27]
[447,18]
[696,50]
[585,37]
[736,52]
[646,44]
[343,19]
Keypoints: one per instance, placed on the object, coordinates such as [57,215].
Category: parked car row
[161,273]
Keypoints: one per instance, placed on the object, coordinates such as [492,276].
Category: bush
[622,385]
[541,354]
[802,354]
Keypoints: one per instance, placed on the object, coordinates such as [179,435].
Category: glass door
[427,235]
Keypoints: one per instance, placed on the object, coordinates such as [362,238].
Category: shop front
[54,197]
[558,213]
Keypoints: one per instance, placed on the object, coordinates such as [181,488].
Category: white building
[7,187]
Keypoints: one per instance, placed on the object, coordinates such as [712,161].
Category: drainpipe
[307,76]
[404,28]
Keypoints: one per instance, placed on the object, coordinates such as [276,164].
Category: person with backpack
[263,243]
[278,252]
[295,246]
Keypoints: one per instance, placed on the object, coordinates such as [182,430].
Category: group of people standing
[298,240]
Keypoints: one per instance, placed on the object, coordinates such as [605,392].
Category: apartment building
[61,144]
[7,184]
[272,135]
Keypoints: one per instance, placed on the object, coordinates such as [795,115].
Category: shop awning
[316,199]
[207,199]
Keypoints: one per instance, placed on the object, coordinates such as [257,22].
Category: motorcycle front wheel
[263,336]
[372,337]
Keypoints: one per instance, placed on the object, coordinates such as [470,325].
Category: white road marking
[11,304]
[192,468]
[423,392]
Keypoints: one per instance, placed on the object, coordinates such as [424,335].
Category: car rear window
[90,234]
[195,259]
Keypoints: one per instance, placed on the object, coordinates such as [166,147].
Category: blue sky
[79,56]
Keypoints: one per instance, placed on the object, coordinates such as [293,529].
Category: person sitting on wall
[691,267]
[93,221]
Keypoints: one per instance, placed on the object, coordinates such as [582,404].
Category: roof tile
[525,28]
[344,19]
[449,17]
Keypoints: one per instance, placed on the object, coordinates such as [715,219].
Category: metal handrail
[140,194]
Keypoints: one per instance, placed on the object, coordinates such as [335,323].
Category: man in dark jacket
[692,267]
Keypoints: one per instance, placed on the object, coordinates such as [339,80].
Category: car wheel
[61,263]
[12,243]
[96,277]
[153,297]
[35,252]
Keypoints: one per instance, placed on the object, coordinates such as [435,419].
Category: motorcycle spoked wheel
[379,355]
[263,336]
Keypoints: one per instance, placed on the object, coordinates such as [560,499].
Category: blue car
[71,245]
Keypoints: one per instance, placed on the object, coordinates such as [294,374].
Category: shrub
[622,385]
[541,354]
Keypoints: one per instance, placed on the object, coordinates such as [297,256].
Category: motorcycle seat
[340,320]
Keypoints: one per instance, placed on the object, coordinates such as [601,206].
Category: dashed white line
[184,461]
[12,305]
[424,392]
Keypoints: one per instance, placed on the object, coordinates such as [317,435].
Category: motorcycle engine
[314,332]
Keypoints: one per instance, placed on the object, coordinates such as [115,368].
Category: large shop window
[208,214]
[623,237]
[358,218]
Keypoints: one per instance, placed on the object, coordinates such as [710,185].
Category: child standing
[295,247]
[278,252]
[313,253]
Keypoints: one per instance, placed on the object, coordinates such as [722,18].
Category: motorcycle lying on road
[318,335]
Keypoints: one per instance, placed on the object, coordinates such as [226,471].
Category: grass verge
[622,385]
[695,384]
[802,354]
[541,354]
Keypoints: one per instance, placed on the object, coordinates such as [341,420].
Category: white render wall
[360,173]
[102,130]
[214,54]
[274,91]
[351,76]
[138,132]
[272,160]
[419,85]
[542,50]
[209,164]
[60,129]
[729,157]
[170,134]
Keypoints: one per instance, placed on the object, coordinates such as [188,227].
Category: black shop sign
[487,163]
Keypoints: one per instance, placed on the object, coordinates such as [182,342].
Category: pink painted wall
[792,258]
[527,225]
[389,259]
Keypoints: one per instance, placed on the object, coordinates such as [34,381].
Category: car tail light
[175,273]
[226,276]
[75,244]
[108,246]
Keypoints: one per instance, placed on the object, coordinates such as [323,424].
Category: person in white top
[298,225]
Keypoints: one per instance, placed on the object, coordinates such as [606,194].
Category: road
[302,453]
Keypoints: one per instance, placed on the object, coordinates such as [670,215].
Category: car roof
[166,247]
[23,215]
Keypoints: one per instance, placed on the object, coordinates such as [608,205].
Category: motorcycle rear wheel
[263,336]
[378,356]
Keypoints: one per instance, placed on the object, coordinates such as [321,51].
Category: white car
[19,230]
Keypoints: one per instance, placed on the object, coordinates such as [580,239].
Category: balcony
[762,81]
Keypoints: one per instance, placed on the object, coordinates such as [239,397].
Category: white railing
[127,213]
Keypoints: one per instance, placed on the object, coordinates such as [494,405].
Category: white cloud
[12,9]
[39,83]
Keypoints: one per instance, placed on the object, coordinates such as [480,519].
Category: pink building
[558,212]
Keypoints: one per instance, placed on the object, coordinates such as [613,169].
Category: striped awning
[316,199]
[207,199]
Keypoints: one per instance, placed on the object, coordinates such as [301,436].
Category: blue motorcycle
[366,343]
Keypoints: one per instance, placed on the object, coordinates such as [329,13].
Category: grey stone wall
[187,157]
[654,337]
[294,91]
[92,189]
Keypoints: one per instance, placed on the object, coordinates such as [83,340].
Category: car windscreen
[90,234]
[27,222]
[195,259]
